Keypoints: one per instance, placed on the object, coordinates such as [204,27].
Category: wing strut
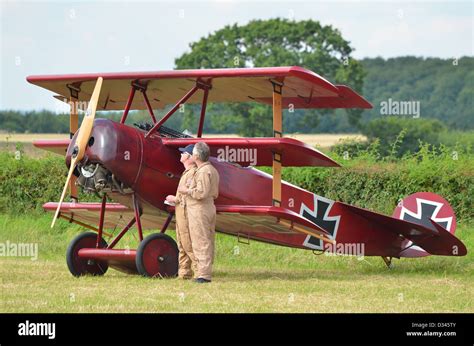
[277,132]
[73,126]
[203,111]
[199,85]
[142,88]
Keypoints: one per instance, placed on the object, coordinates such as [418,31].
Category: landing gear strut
[388,262]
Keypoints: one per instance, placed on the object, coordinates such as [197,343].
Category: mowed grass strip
[247,278]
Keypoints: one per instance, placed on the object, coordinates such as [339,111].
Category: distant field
[248,278]
[9,141]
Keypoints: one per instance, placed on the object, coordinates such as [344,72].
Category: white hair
[202,151]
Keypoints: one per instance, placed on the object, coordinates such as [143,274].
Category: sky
[54,37]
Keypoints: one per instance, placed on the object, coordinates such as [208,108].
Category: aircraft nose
[115,147]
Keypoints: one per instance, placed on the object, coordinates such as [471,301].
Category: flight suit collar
[204,164]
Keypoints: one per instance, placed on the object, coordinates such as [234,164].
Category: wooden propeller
[81,141]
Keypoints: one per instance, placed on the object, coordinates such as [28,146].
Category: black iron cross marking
[320,218]
[429,210]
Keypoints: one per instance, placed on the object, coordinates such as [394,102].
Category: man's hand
[171,198]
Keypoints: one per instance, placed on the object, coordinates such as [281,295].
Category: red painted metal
[128,105]
[271,72]
[203,112]
[148,106]
[110,207]
[108,254]
[433,238]
[172,110]
[101,220]
[412,205]
[167,223]
[119,259]
[297,153]
[121,234]
[58,146]
[136,210]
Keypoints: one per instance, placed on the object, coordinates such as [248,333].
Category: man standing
[201,211]
[187,260]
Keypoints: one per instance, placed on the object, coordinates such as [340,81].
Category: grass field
[248,278]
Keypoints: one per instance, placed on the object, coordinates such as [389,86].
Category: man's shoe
[201,281]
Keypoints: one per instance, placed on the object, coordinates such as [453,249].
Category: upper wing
[259,151]
[347,98]
[302,88]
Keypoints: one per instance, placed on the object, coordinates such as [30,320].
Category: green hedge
[26,183]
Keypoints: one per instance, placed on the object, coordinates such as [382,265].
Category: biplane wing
[116,215]
[295,153]
[259,151]
[302,88]
[260,221]
[254,222]
[57,146]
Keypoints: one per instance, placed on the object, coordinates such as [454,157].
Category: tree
[276,42]
[443,87]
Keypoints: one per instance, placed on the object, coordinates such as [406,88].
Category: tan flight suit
[187,260]
[201,213]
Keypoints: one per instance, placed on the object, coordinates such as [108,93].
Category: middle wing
[57,146]
[259,151]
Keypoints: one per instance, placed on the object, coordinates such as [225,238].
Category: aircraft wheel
[81,266]
[157,256]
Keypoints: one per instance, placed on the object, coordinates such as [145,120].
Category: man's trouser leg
[186,259]
[202,223]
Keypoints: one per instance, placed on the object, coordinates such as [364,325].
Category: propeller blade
[88,121]
[81,141]
[71,170]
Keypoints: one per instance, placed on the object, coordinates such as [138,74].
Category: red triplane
[139,166]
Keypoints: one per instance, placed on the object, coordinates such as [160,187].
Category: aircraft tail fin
[433,212]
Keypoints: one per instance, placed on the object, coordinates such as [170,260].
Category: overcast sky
[57,37]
